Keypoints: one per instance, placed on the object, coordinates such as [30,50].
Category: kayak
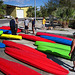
[11,36]
[58,40]
[8,28]
[2,45]
[55,51]
[53,35]
[1,32]
[40,63]
[34,38]
[23,48]
[5,27]
[55,45]
[6,31]
[13,68]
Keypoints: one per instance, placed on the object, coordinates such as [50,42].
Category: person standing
[33,25]
[26,24]
[72,53]
[13,26]
[43,23]
[16,23]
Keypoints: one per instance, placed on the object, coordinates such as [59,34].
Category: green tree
[51,5]
[67,8]
[65,11]
[2,8]
[43,11]
[65,3]
[39,14]
[31,12]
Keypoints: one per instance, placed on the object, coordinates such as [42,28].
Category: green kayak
[55,51]
[1,32]
[54,45]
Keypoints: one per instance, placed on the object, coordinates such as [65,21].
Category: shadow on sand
[60,62]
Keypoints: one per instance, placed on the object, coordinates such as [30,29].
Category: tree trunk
[65,24]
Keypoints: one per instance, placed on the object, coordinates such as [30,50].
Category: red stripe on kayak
[53,35]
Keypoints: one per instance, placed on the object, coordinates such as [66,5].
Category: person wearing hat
[13,26]
[16,23]
[72,53]
[26,24]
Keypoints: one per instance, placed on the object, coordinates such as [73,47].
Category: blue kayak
[58,40]
[2,45]
[6,31]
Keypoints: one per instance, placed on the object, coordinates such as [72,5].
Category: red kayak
[18,30]
[36,61]
[4,28]
[23,47]
[35,38]
[53,35]
[13,68]
[8,28]
[27,49]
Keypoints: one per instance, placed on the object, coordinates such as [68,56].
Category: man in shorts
[43,23]
[26,24]
[33,25]
[72,53]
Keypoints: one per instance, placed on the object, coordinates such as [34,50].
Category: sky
[25,2]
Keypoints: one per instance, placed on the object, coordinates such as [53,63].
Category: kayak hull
[55,51]
[53,35]
[11,36]
[58,40]
[34,38]
[36,61]
[2,45]
[1,32]
[54,45]
[23,48]
[13,68]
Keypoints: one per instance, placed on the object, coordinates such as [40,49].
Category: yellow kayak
[11,36]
